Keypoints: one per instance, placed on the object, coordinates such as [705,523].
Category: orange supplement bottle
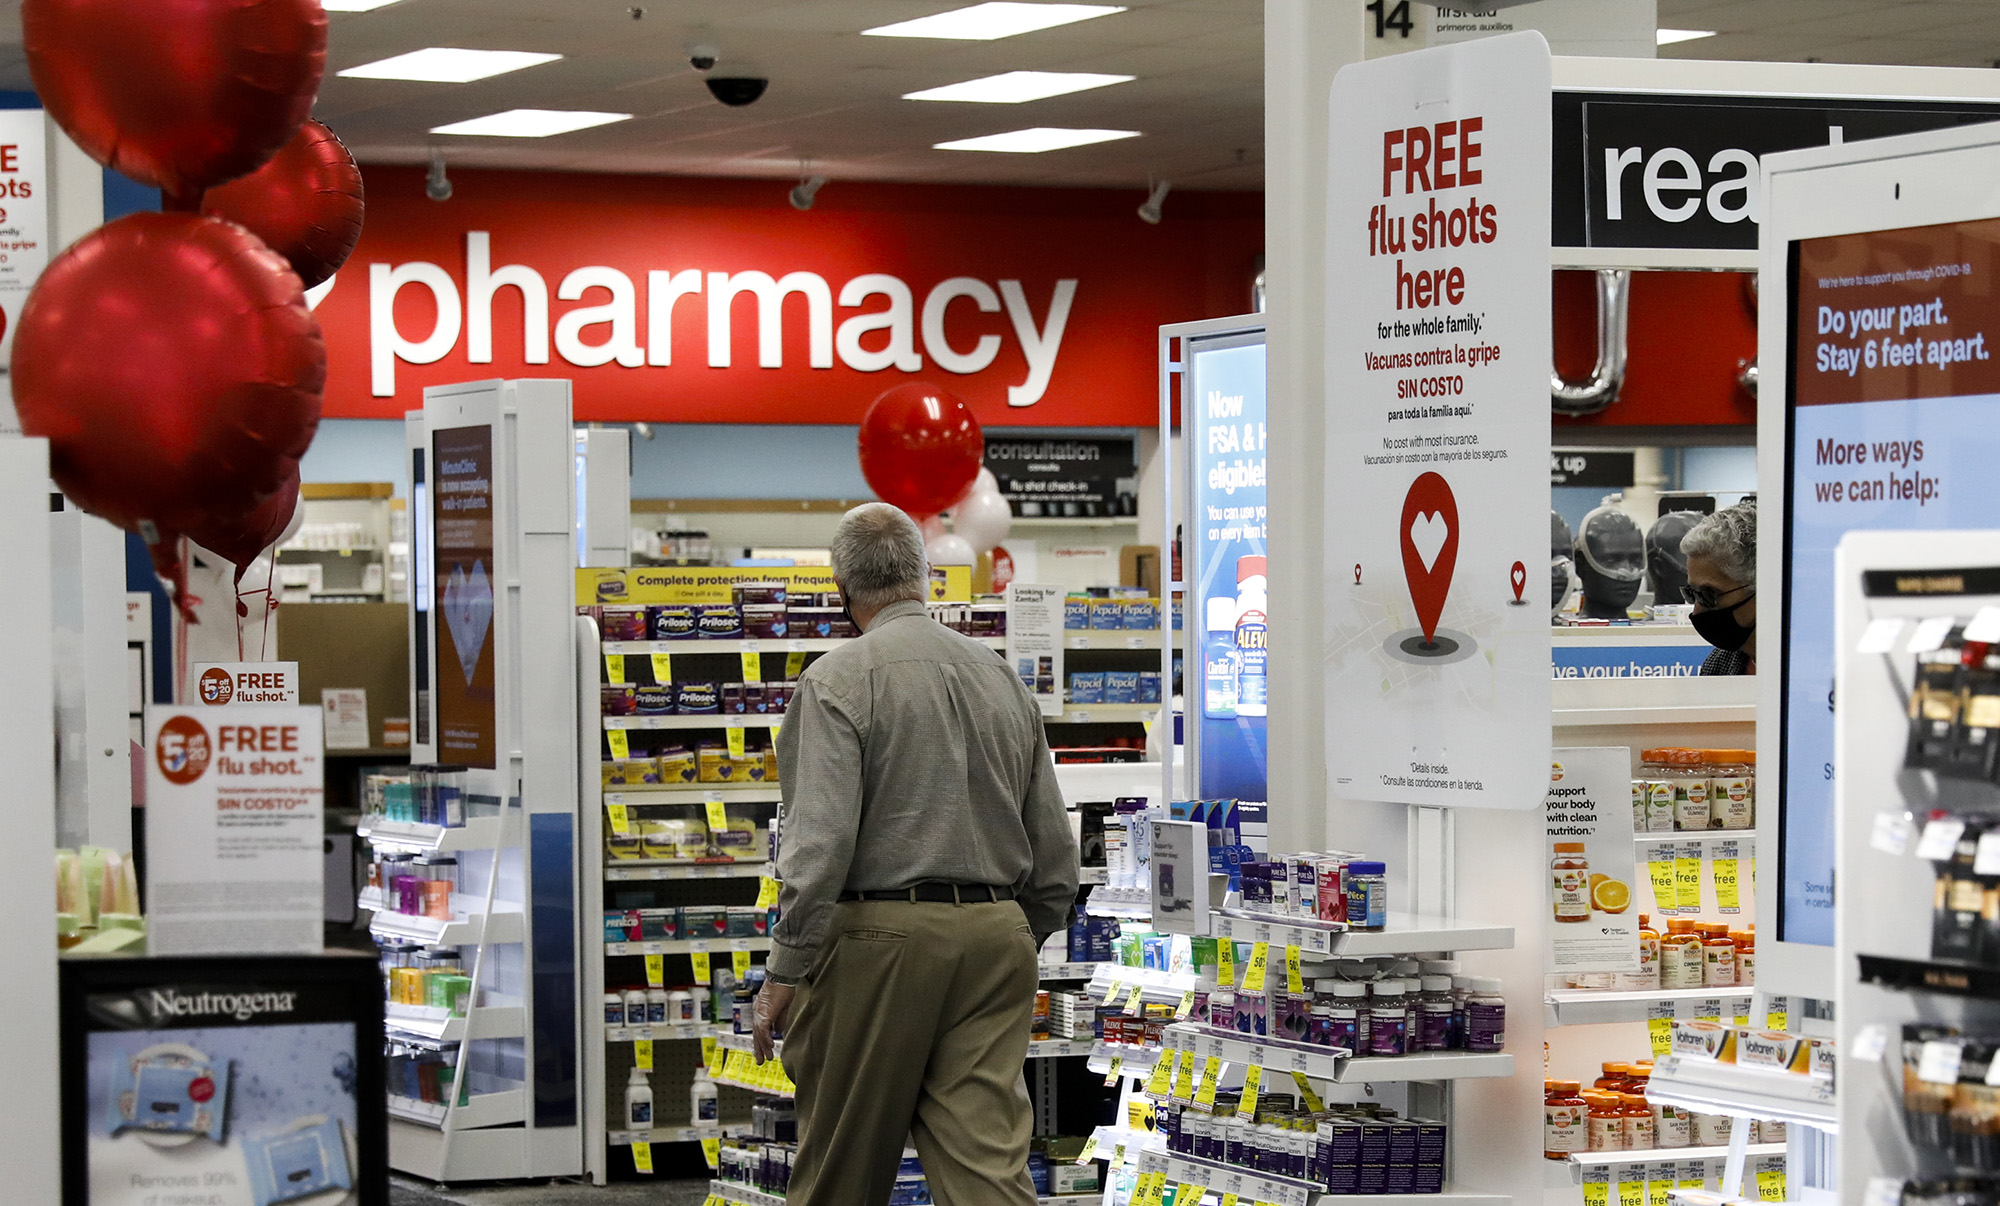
[1607,1122]
[1638,1122]
[1718,955]
[1565,1119]
[1569,872]
[1681,963]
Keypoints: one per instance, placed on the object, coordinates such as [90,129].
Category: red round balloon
[171,363]
[307,203]
[179,94]
[920,447]
[242,539]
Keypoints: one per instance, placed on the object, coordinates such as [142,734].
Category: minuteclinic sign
[1437,346]
[715,301]
[234,797]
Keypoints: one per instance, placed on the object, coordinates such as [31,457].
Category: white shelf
[505,1108]
[1222,1179]
[1427,1065]
[695,793]
[729,1040]
[1405,934]
[1059,1048]
[1589,1006]
[687,946]
[1744,1092]
[662,1032]
[1072,971]
[1120,713]
[1092,876]
[1155,985]
[743,1195]
[1333,1063]
[1134,1059]
[1716,699]
[1133,904]
[436,1025]
[1579,1161]
[1652,837]
[640,868]
[478,833]
[463,931]
[1111,638]
[672,1134]
[712,720]
[759,645]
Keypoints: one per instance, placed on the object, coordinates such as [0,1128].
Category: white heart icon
[467,604]
[1427,536]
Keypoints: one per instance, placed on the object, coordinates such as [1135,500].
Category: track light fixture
[436,186]
[1149,213]
[803,192]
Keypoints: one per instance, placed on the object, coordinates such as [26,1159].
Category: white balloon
[932,526]
[983,519]
[951,549]
[298,521]
[984,483]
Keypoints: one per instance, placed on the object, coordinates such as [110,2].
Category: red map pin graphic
[1519,576]
[1429,536]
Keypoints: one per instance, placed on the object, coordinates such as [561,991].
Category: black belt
[938,894]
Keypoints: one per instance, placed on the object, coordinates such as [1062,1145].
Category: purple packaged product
[1431,1140]
[672,621]
[760,594]
[1294,1020]
[755,698]
[1252,1013]
[812,623]
[1373,1158]
[733,703]
[1402,1165]
[778,696]
[619,700]
[621,623]
[1485,1025]
[1339,1166]
[765,622]
[1305,886]
[697,699]
[1222,1009]
[719,622]
[654,699]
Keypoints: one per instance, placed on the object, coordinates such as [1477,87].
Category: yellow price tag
[1659,1193]
[1225,963]
[1228,1199]
[718,814]
[718,1061]
[1294,982]
[1596,1193]
[1183,1075]
[1771,1185]
[711,1151]
[1089,1150]
[642,1157]
[702,974]
[1306,1094]
[1111,993]
[1260,958]
[1161,1082]
[614,669]
[1211,1078]
[642,1054]
[1666,888]
[1723,872]
[1188,1194]
[736,747]
[1631,1193]
[621,819]
[1780,1014]
[656,971]
[795,664]
[1246,1106]
[1690,1183]
[663,667]
[753,667]
[1186,1006]
[621,746]
[708,1049]
[767,891]
[1117,1066]
[1687,877]
[739,962]
[1660,1027]
[1133,1006]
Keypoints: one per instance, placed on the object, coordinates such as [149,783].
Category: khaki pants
[915,1022]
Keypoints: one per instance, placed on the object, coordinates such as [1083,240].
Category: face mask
[849,614]
[1721,628]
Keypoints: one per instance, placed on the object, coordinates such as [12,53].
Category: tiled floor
[404,1191]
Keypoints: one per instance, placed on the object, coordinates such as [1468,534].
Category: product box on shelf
[1086,687]
[1141,615]
[1107,614]
[1076,613]
[672,621]
[1121,686]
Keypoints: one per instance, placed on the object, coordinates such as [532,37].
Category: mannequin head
[1560,542]
[1610,563]
[1666,564]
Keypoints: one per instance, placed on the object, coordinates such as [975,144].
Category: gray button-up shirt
[914,755]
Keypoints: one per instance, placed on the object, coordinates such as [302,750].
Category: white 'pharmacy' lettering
[472,314]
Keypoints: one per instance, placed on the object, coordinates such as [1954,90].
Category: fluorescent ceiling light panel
[354,6]
[448,65]
[531,123]
[1667,37]
[1013,87]
[997,19]
[1036,140]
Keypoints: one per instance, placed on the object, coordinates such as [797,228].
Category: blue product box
[1142,614]
[1076,612]
[1121,686]
[1106,614]
[1086,687]
[1149,686]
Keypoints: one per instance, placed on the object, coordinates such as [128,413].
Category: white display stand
[517,915]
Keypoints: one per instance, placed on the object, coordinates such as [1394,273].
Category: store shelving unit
[1588,1006]
[1716,1088]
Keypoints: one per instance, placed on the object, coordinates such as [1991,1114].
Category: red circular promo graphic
[201,1088]
[216,686]
[181,748]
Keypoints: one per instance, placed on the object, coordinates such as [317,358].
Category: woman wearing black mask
[1722,585]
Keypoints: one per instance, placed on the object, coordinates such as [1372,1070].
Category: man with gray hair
[925,854]
[1722,585]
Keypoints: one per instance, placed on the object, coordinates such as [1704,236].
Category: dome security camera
[737,91]
[701,58]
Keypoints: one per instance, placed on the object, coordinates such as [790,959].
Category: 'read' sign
[1437,426]
[713,301]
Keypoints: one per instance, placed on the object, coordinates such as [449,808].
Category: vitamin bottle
[1485,1016]
[1569,872]
[638,1101]
[1732,784]
[1718,955]
[1613,1079]
[1607,1122]
[1434,1008]
[1388,1019]
[1681,964]
[1673,1126]
[1746,956]
[1693,811]
[1638,1122]
[1648,975]
[1565,1120]
[1659,790]
[1346,1010]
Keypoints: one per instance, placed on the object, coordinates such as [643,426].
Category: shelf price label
[711,1151]
[1723,872]
[1294,982]
[702,972]
[642,1054]
[1687,876]
[753,666]
[1632,1189]
[1660,1027]
[1306,1094]
[795,663]
[767,891]
[1189,1194]
[1228,1199]
[1253,976]
[1111,992]
[1183,1076]
[1089,1149]
[1596,1187]
[739,962]
[614,669]
[736,750]
[1779,1015]
[621,746]
[656,971]
[1211,1078]
[1112,1077]
[1225,963]
[1161,1082]
[621,820]
[1133,1006]
[1186,1006]
[1253,1079]
[663,668]
[1770,1182]
[642,1157]
[1660,867]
